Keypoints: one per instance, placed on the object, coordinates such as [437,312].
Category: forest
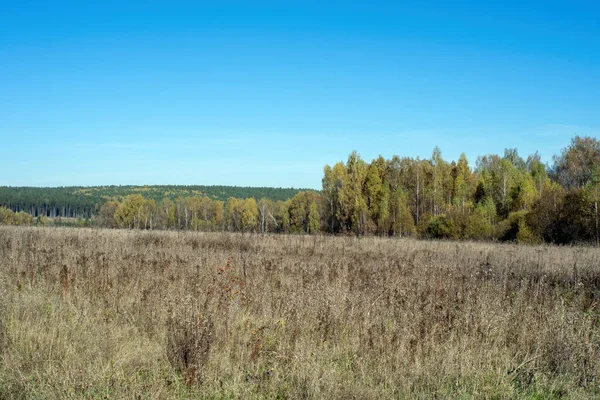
[85,202]
[501,198]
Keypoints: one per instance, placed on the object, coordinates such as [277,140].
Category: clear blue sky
[259,93]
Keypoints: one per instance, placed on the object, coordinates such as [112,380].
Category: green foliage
[314,219]
[22,218]
[462,185]
[168,212]
[523,194]
[6,216]
[233,211]
[480,224]
[355,204]
[543,219]
[132,212]
[515,229]
[249,215]
[525,235]
[373,190]
[285,216]
[441,227]
[574,218]
[303,213]
[403,223]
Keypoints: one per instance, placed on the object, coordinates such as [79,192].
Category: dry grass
[130,314]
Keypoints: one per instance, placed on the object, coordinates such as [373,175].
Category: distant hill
[81,201]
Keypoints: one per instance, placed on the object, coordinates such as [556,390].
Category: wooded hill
[85,202]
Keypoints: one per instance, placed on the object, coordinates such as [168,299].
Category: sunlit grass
[133,314]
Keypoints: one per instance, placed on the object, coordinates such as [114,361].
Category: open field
[136,314]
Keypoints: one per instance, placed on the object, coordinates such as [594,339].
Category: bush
[441,227]
[23,218]
[515,229]
[479,225]
[6,216]
[189,336]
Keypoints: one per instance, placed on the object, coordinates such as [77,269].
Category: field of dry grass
[131,314]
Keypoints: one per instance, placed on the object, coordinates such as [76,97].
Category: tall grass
[135,314]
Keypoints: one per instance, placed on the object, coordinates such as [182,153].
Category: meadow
[93,313]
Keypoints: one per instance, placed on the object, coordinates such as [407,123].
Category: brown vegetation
[140,314]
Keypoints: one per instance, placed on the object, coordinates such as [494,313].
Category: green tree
[194,204]
[314,218]
[441,227]
[538,172]
[131,212]
[523,193]
[525,234]
[284,212]
[333,192]
[233,212]
[168,214]
[480,224]
[373,193]
[463,181]
[354,203]
[219,214]
[249,215]
[299,209]
[382,218]
[545,212]
[298,213]
[403,223]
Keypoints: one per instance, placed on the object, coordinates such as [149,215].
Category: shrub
[189,336]
[441,227]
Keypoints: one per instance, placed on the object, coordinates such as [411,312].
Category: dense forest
[85,202]
[503,197]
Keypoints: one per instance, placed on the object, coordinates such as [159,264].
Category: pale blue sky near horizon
[265,93]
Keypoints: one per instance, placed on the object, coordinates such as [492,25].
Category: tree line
[503,197]
[297,215]
[85,202]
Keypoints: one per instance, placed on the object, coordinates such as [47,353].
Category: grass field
[134,314]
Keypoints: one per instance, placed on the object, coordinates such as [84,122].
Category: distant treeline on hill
[505,198]
[85,202]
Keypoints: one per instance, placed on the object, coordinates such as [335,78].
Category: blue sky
[265,93]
